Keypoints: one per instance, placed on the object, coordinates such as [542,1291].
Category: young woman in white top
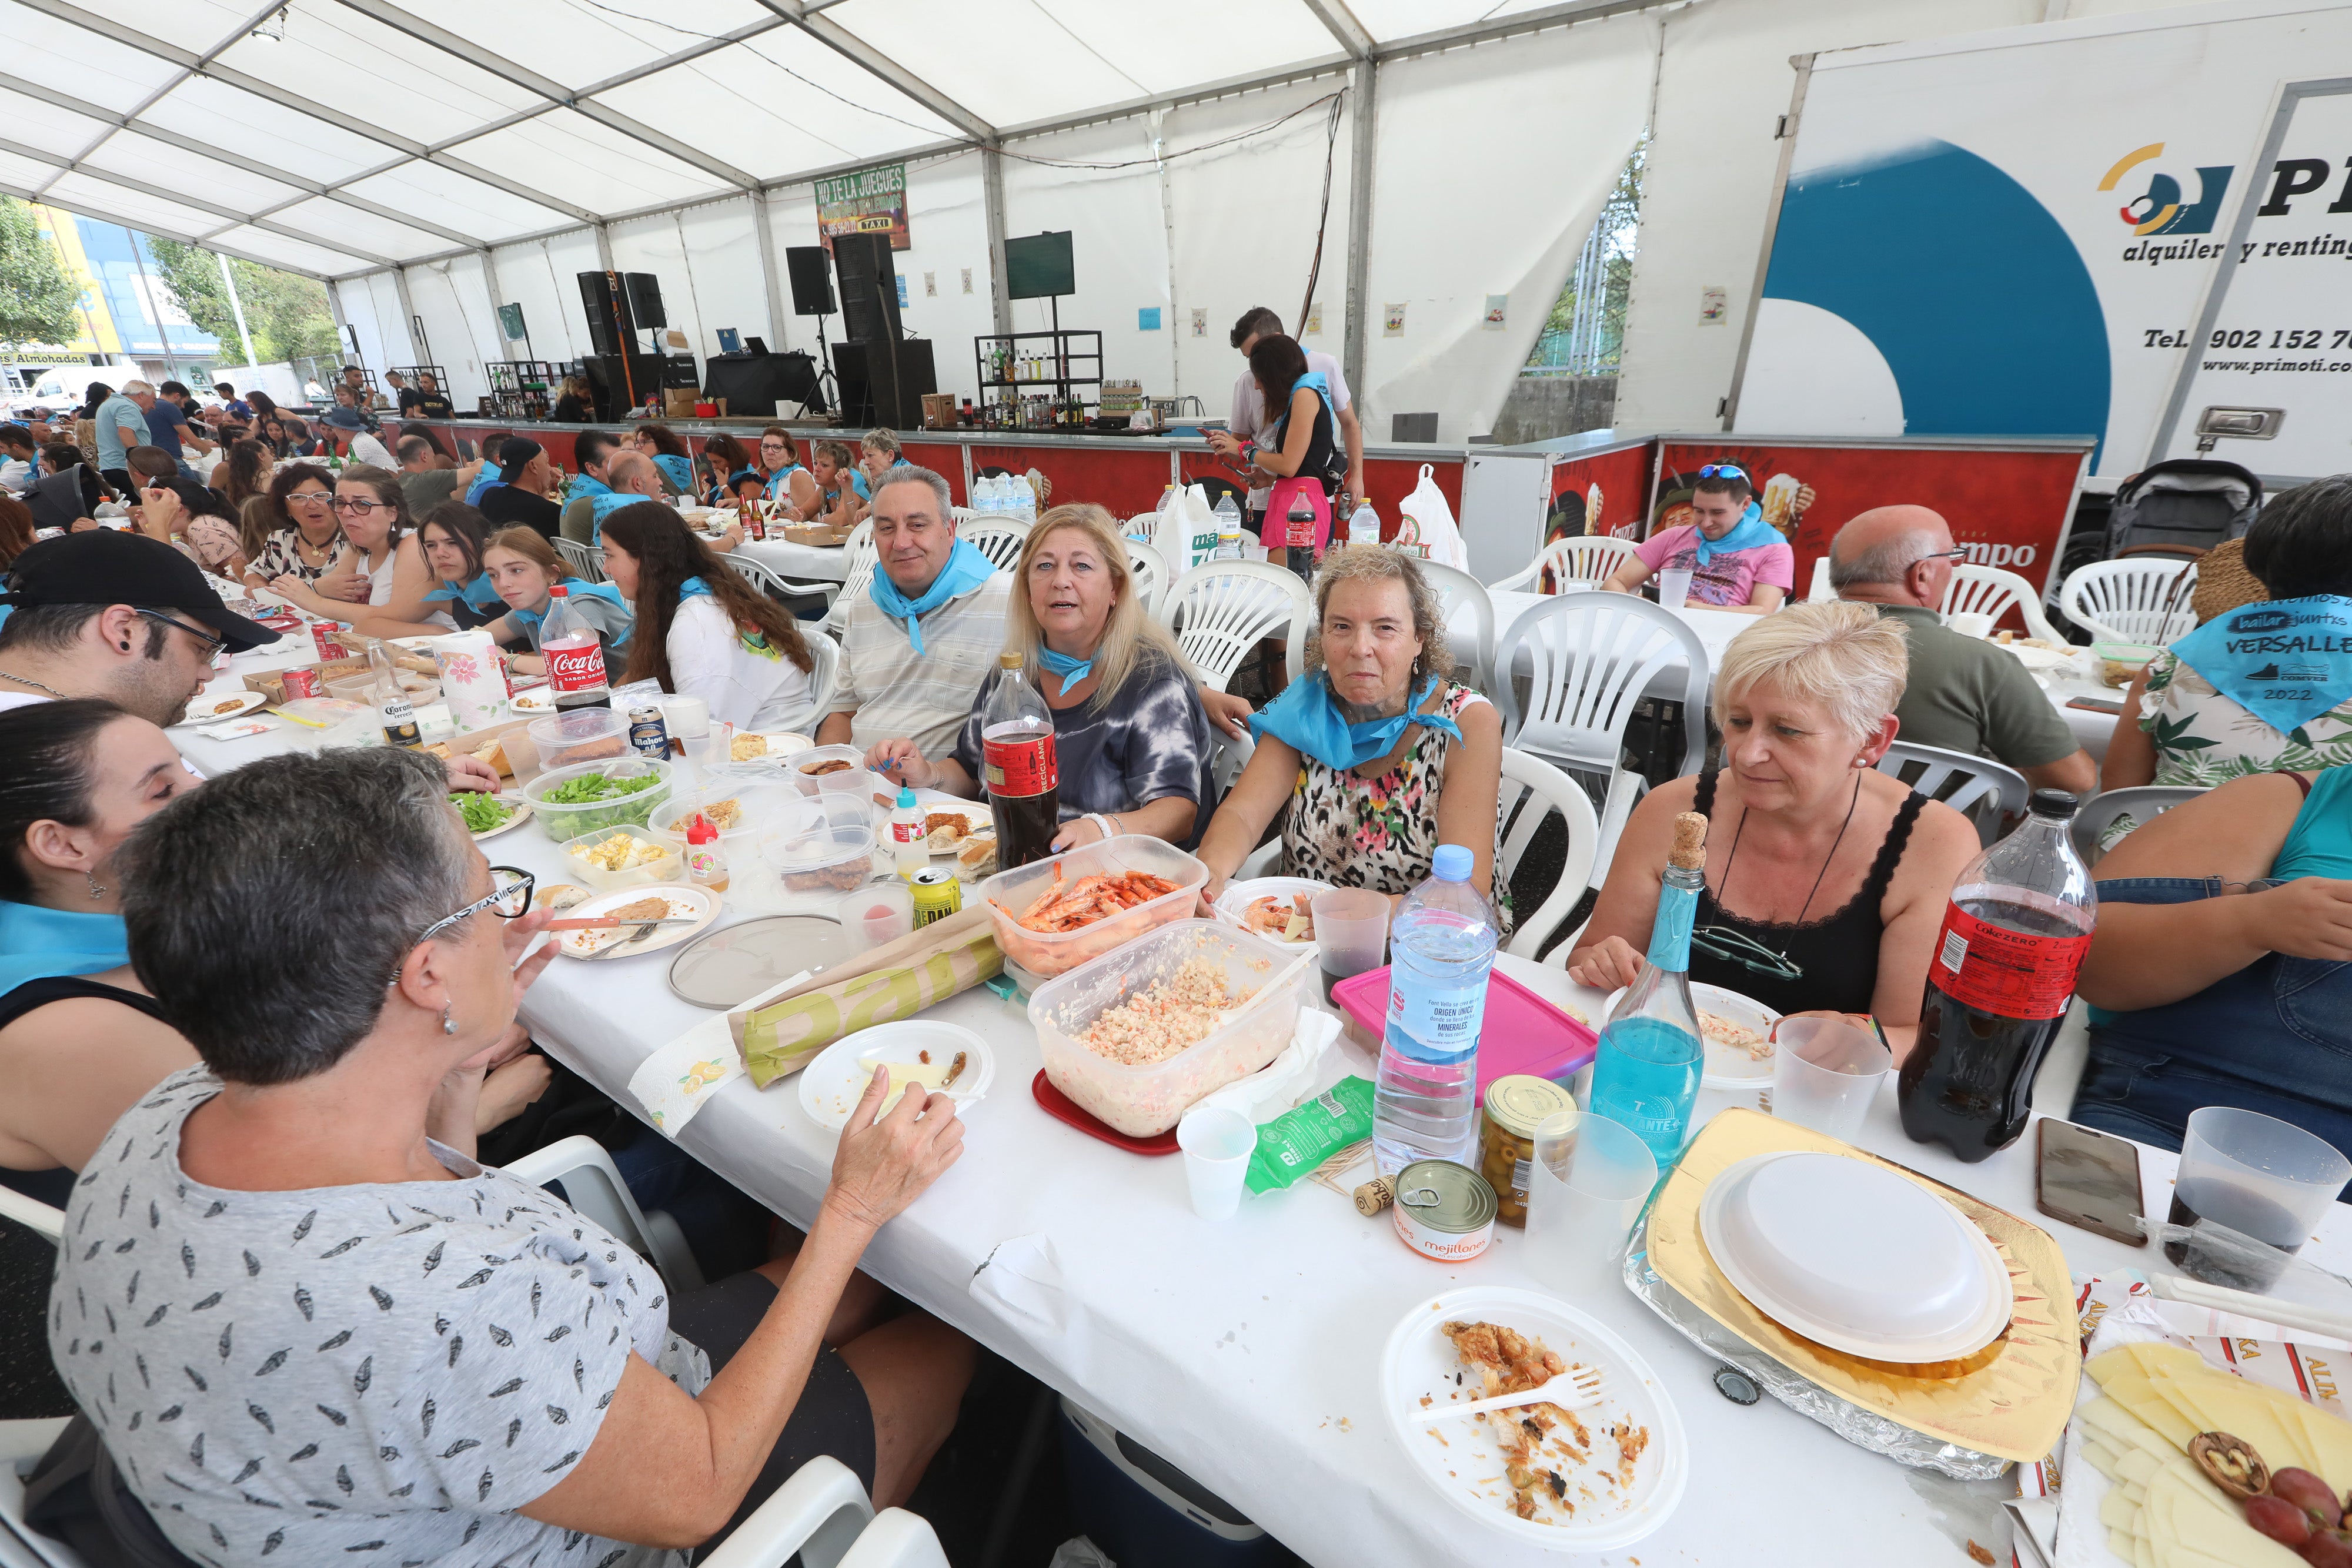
[385,552]
[701,631]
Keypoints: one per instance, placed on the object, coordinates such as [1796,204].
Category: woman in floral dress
[1381,757]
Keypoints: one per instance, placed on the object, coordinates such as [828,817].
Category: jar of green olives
[1516,1107]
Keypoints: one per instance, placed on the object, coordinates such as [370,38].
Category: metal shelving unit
[1003,404]
[522,388]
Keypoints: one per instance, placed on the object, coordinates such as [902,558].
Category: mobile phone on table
[2089,1179]
[2096,704]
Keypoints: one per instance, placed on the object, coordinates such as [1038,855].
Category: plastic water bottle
[1229,529]
[1159,517]
[1363,525]
[1441,947]
[1024,498]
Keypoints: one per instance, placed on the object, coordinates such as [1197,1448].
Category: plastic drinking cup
[1586,1187]
[1673,586]
[878,914]
[1826,1074]
[2258,1176]
[1351,927]
[1217,1143]
[1969,623]
[687,718]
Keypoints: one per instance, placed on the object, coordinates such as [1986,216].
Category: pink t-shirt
[1731,577]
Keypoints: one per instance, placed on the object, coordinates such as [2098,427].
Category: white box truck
[2136,228]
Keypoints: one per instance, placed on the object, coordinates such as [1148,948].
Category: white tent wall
[1244,219]
[1723,83]
[538,275]
[1491,166]
[371,310]
[1118,230]
[461,332]
[947,223]
[791,220]
[721,278]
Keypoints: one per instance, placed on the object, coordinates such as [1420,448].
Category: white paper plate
[199,708]
[1459,1458]
[521,814]
[1873,1236]
[2038,658]
[783,744]
[685,899]
[831,1085]
[1239,895]
[977,819]
[538,699]
[1727,1068]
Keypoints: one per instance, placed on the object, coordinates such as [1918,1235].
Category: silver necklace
[28,680]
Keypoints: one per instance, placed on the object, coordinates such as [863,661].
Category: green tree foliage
[1619,225]
[37,298]
[287,313]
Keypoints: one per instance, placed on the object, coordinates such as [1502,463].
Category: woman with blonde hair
[523,569]
[1131,738]
[1826,880]
[1380,754]
[842,490]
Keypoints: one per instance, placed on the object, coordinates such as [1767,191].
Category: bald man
[632,478]
[1964,694]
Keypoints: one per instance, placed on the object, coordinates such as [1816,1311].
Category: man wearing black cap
[114,615]
[526,478]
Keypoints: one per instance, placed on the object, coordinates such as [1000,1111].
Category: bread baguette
[496,756]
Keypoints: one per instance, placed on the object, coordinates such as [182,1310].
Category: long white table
[802,563]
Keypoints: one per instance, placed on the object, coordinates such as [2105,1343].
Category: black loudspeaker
[883,383]
[610,328]
[620,381]
[645,298]
[811,272]
[869,286]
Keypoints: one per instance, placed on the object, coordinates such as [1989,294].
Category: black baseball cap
[107,566]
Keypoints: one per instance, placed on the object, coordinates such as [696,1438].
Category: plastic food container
[1141,1102]
[857,779]
[583,735]
[671,867]
[1046,953]
[564,823]
[765,800]
[820,845]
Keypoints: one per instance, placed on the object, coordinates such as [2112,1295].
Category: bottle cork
[1689,852]
[1375,1196]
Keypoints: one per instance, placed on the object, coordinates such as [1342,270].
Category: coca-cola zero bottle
[1018,767]
[574,655]
[2014,935]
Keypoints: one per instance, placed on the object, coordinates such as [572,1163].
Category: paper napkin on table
[1286,1081]
[679,1078]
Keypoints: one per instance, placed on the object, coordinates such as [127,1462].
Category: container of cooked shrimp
[1051,917]
[1136,1037]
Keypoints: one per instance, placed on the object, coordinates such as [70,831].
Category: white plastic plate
[831,1085]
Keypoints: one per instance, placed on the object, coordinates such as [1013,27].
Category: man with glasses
[1737,562]
[1964,694]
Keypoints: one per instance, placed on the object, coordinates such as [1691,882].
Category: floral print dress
[2203,737]
[1381,834]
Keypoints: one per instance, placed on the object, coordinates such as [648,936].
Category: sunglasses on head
[1723,471]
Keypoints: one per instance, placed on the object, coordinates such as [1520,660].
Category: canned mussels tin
[1443,1211]
[936,895]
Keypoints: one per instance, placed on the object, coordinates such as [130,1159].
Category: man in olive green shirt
[1964,694]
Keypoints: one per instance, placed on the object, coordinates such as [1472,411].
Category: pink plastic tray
[1520,1034]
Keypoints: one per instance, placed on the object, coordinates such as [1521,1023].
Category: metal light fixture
[272,29]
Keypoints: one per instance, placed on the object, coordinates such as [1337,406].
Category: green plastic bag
[1303,1136]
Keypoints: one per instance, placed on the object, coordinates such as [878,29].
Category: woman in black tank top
[1826,880]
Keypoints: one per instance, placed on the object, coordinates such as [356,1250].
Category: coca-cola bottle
[1018,767]
[2002,972]
[574,655]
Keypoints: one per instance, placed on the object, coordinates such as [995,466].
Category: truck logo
[2159,209]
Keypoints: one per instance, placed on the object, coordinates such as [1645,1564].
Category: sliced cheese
[2100,1457]
[2138,1468]
[2118,1510]
[2329,1442]
[2126,1430]
[2205,1526]
[2219,1402]
[2135,1394]
[2120,1541]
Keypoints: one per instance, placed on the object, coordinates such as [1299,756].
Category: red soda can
[322,633]
[301,684]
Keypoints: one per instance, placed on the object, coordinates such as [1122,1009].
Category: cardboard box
[678,402]
[939,410]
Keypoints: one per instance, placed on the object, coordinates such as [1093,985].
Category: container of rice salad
[1135,1037]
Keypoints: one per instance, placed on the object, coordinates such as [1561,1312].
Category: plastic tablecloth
[802,563]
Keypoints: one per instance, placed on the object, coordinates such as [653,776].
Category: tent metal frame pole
[408,318]
[764,229]
[991,181]
[491,287]
[346,341]
[236,307]
[603,247]
[1360,156]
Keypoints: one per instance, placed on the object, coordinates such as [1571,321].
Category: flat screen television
[1039,266]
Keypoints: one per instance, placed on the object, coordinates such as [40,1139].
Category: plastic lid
[1451,864]
[906,796]
[1008,661]
[701,831]
[2056,804]
[558,592]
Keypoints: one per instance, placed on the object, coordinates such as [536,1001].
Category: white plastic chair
[1585,558]
[2139,801]
[1983,791]
[582,558]
[1457,591]
[593,1185]
[996,538]
[1591,657]
[2142,599]
[1989,590]
[1222,609]
[1149,570]
[862,557]
[824,679]
[767,578]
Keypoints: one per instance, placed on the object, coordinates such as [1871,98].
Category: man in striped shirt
[914,669]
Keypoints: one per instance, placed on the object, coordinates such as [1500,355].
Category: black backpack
[2182,507]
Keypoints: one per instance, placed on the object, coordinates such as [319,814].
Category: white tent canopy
[433,158]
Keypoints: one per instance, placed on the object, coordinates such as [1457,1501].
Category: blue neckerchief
[602,504]
[587,485]
[680,471]
[2286,661]
[781,477]
[477,593]
[575,587]
[484,482]
[858,482]
[38,944]
[1748,533]
[694,588]
[966,569]
[755,640]
[1071,671]
[1315,383]
[1307,717]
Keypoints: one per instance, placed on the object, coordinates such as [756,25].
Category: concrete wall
[1541,407]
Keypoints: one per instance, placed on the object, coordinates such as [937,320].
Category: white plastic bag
[1427,521]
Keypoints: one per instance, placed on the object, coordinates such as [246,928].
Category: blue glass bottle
[1646,1072]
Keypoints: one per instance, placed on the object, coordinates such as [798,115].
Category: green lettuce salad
[591,787]
[482,812]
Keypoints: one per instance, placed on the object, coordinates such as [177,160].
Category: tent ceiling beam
[1341,23]
[554,92]
[860,53]
[1363,110]
[160,232]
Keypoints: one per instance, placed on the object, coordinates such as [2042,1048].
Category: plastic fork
[1575,1389]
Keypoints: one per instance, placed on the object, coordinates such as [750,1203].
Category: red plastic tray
[1521,1032]
[1062,1108]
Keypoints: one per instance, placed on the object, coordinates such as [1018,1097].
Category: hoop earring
[448,1024]
[96,891]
